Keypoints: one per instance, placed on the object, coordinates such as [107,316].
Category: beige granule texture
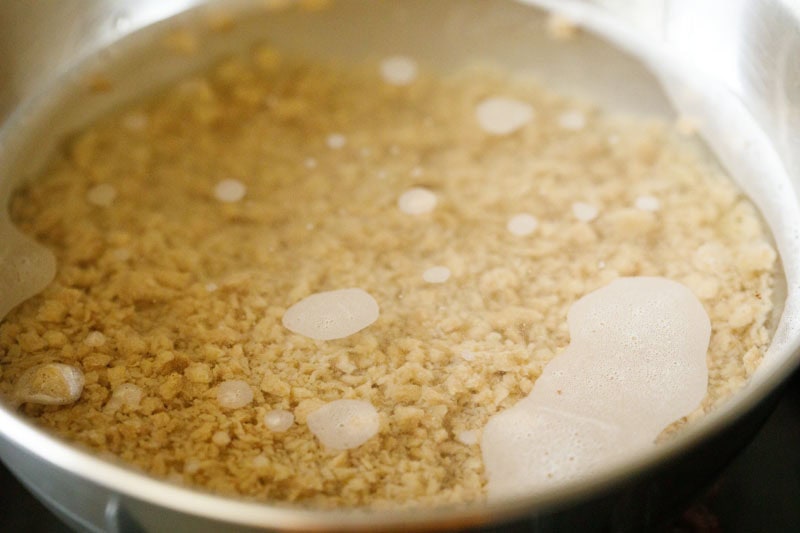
[441,358]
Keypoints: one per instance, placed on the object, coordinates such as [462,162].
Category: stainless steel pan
[730,62]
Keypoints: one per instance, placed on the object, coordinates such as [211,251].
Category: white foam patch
[436,274]
[230,191]
[102,195]
[573,120]
[544,448]
[234,394]
[585,212]
[332,315]
[125,395]
[522,224]
[344,424]
[647,203]
[278,420]
[50,384]
[336,141]
[417,201]
[503,116]
[636,362]
[398,70]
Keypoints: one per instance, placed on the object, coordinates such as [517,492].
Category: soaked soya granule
[287,280]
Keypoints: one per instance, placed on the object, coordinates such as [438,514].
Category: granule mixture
[473,208]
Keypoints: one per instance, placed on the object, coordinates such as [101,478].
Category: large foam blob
[503,116]
[636,362]
[344,424]
[332,315]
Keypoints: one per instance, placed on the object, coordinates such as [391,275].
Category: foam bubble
[573,120]
[50,384]
[344,424]
[125,395]
[230,191]
[332,315]
[522,224]
[647,203]
[639,343]
[398,70]
[503,116]
[584,212]
[234,393]
[436,274]
[102,195]
[336,141]
[529,449]
[417,201]
[278,420]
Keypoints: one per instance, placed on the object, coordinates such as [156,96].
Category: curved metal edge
[125,481]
